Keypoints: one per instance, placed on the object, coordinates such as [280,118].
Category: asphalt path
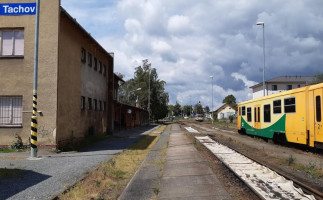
[50,175]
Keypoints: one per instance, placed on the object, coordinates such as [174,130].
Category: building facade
[75,78]
[279,84]
[224,111]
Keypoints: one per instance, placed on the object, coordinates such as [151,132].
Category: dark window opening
[249,114]
[267,113]
[277,106]
[82,102]
[90,103]
[289,87]
[95,64]
[83,55]
[289,105]
[255,111]
[274,87]
[243,110]
[95,104]
[90,59]
[318,108]
[258,120]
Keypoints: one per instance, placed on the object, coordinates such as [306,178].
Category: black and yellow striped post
[33,137]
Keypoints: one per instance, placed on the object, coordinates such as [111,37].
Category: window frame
[264,110]
[13,55]
[249,120]
[243,110]
[318,108]
[289,105]
[12,114]
[89,56]
[277,106]
[83,55]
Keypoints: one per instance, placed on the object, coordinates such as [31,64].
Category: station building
[75,78]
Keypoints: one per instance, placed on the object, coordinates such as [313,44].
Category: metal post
[263,74]
[33,140]
[212,102]
[149,93]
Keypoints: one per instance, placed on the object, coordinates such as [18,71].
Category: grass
[9,173]
[10,150]
[310,168]
[110,178]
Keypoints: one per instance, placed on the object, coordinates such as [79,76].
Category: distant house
[279,84]
[224,111]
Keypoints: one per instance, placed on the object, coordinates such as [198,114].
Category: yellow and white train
[291,116]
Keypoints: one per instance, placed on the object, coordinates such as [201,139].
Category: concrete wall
[17,74]
[77,79]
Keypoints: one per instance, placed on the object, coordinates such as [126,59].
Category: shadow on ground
[13,181]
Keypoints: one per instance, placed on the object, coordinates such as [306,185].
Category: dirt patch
[304,166]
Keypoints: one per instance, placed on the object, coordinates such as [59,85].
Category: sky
[188,41]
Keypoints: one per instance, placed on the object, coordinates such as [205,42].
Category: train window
[239,111]
[249,114]
[267,113]
[289,105]
[243,110]
[277,106]
[255,111]
[318,108]
[258,114]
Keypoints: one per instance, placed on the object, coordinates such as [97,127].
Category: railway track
[265,182]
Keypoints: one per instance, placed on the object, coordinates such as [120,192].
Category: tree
[207,109]
[187,109]
[231,100]
[159,99]
[177,109]
[317,79]
[170,110]
[198,109]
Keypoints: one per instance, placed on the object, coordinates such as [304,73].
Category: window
[95,104]
[82,102]
[255,112]
[104,105]
[274,87]
[104,68]
[83,55]
[10,110]
[258,120]
[100,105]
[100,67]
[318,108]
[89,55]
[12,42]
[267,113]
[298,86]
[249,114]
[95,64]
[243,110]
[239,110]
[277,106]
[90,103]
[289,105]
[289,87]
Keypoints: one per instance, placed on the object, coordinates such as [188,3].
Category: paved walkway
[41,179]
[186,175]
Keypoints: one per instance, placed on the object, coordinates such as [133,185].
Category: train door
[257,116]
[318,125]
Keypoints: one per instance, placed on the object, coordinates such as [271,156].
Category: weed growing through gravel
[110,178]
[291,160]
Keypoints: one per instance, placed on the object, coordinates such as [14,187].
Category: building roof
[73,20]
[287,79]
[221,107]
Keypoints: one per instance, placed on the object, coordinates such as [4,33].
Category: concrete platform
[186,175]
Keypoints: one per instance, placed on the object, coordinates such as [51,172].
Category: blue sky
[187,41]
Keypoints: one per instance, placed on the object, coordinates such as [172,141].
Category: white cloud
[178,24]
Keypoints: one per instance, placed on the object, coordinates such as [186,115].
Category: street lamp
[263,71]
[212,101]
[133,91]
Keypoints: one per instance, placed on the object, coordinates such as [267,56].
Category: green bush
[17,143]
[231,117]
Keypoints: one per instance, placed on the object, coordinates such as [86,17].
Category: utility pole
[34,124]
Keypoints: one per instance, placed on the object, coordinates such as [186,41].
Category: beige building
[224,111]
[75,78]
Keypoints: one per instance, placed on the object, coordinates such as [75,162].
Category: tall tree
[177,109]
[198,109]
[231,100]
[145,74]
[187,110]
[170,110]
